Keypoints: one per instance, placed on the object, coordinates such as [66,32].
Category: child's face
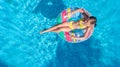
[89,22]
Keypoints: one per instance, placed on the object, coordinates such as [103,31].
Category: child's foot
[42,32]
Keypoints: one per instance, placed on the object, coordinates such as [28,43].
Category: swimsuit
[71,26]
[82,26]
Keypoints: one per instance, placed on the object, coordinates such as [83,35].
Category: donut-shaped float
[77,32]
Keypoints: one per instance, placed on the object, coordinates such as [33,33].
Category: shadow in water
[78,55]
[2,64]
[50,8]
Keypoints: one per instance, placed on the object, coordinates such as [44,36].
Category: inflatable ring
[77,32]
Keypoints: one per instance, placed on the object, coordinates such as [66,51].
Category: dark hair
[95,20]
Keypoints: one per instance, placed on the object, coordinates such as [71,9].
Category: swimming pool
[21,45]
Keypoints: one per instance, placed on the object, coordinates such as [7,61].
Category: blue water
[21,45]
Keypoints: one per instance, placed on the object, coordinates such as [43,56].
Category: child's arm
[75,11]
[78,10]
[84,12]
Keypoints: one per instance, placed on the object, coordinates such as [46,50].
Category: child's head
[92,20]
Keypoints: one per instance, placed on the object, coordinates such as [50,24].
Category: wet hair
[95,20]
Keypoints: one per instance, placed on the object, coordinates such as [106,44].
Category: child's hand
[85,11]
[68,14]
[82,10]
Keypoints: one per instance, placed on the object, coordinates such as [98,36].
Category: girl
[88,22]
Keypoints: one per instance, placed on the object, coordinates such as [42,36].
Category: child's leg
[65,29]
[55,27]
